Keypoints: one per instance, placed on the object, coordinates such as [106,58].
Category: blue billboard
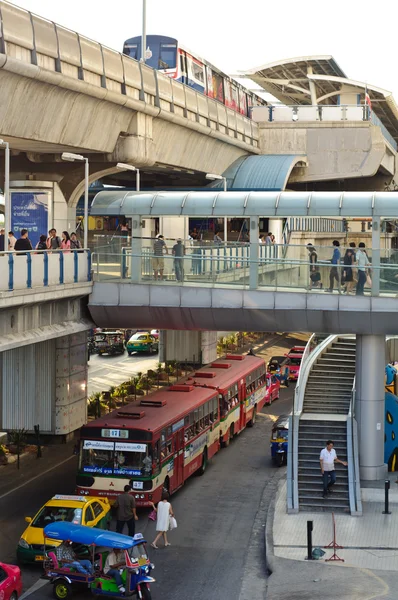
[29,210]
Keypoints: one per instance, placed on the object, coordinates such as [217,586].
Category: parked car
[88,510]
[142,342]
[273,387]
[10,582]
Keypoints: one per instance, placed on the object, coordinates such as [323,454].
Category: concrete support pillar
[136,260]
[70,383]
[376,256]
[194,347]
[370,362]
[254,250]
[276,226]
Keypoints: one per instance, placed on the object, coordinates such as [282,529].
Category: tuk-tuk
[109,342]
[279,437]
[94,545]
[279,366]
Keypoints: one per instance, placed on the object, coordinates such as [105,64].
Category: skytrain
[165,54]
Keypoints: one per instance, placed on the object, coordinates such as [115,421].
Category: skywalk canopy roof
[244,204]
[290,81]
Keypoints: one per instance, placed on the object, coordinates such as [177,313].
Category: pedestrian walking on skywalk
[315,276]
[327,459]
[335,269]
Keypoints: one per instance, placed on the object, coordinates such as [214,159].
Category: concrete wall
[43,366]
[333,149]
[196,347]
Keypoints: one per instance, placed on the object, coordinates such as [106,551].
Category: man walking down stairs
[327,459]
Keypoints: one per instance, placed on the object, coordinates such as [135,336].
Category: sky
[236,36]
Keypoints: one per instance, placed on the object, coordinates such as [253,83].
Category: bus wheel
[204,463]
[231,433]
[253,419]
[225,442]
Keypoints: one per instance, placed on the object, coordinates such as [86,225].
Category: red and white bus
[159,440]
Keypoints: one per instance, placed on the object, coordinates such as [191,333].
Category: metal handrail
[354,480]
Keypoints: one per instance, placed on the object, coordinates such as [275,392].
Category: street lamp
[7,203]
[70,157]
[143,39]
[127,167]
[214,177]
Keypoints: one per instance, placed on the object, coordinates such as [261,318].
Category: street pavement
[106,371]
[218,549]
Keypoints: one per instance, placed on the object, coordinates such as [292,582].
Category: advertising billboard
[29,210]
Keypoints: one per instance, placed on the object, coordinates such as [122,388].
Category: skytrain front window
[131,50]
[167,56]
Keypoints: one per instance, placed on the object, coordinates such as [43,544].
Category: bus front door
[179,458]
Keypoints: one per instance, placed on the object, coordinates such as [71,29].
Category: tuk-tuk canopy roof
[282,422]
[88,536]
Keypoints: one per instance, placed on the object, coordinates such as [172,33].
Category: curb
[270,559]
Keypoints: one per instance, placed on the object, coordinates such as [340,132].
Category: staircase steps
[328,391]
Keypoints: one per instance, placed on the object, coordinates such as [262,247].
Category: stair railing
[354,480]
[310,357]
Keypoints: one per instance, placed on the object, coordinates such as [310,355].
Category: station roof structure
[297,81]
[245,204]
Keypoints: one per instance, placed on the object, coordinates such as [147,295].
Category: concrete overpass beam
[195,347]
[370,364]
[136,145]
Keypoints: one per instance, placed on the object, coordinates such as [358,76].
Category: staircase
[326,403]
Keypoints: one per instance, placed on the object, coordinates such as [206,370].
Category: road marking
[36,586]
[36,477]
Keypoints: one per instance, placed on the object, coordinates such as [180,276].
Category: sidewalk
[370,551]
[31,467]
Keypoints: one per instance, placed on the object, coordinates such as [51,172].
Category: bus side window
[207,414]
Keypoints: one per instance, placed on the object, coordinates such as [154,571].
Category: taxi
[294,364]
[10,582]
[90,511]
[273,388]
[142,341]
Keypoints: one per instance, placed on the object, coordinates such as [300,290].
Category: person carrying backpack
[53,241]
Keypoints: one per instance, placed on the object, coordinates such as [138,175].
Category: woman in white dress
[164,511]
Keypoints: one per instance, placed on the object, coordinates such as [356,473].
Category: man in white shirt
[327,459]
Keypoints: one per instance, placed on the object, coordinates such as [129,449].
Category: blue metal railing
[33,269]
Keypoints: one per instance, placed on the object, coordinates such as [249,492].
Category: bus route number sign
[115,433]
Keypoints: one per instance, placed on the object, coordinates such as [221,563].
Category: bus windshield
[116,458]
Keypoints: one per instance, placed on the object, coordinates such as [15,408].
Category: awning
[267,172]
[246,204]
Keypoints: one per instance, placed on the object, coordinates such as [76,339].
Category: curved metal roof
[287,79]
[292,80]
[246,204]
[267,172]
